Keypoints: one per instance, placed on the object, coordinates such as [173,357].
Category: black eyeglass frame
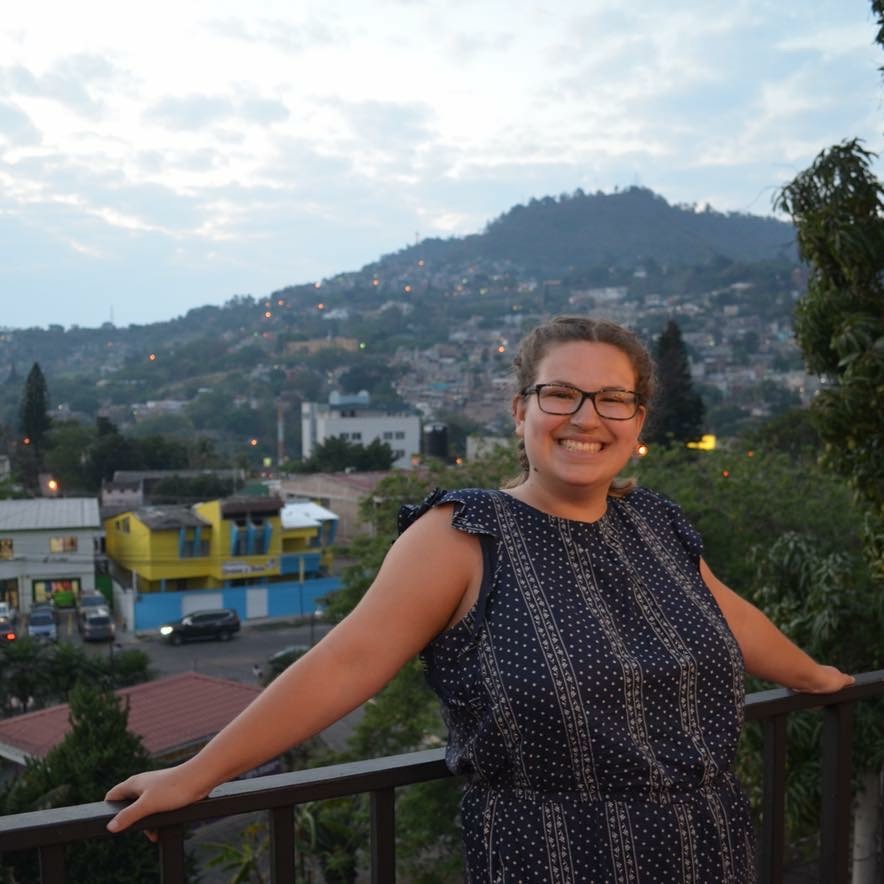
[584,395]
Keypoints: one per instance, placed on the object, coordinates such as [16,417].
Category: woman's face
[580,450]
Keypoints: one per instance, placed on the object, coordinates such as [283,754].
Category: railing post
[282,845]
[773,813]
[172,855]
[836,811]
[51,864]
[383,836]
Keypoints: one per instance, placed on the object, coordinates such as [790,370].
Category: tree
[838,209]
[677,414]
[34,420]
[336,454]
[97,752]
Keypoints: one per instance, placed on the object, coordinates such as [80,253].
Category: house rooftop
[44,514]
[170,715]
[168,518]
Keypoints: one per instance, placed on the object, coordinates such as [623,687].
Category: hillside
[229,366]
[576,232]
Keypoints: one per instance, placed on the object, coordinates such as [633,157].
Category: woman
[589,663]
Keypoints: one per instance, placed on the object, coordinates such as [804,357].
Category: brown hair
[564,329]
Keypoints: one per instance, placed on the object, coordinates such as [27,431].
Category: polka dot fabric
[594,699]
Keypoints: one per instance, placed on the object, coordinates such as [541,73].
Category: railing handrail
[59,826]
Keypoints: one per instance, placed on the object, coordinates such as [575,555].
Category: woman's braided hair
[565,329]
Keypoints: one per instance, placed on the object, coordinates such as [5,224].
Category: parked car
[220,623]
[7,612]
[7,631]
[90,603]
[97,625]
[41,623]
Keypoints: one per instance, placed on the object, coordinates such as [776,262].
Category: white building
[47,548]
[353,419]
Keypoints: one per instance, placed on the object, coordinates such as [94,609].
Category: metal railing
[49,831]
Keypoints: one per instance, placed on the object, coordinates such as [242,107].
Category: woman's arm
[419,588]
[768,654]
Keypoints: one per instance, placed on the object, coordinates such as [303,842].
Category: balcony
[49,831]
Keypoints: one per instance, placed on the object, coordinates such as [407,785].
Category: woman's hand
[153,791]
[826,680]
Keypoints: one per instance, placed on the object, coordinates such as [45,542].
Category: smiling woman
[589,663]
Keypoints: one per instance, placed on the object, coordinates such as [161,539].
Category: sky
[159,156]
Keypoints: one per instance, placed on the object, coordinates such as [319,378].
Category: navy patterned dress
[594,699]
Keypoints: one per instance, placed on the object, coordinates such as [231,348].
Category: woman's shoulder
[473,509]
[662,514]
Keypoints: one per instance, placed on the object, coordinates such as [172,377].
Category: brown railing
[49,831]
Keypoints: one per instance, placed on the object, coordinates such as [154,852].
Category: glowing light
[725,474]
[458,461]
[750,454]
[152,357]
[267,314]
[375,282]
[253,442]
[52,485]
[420,262]
[320,306]
[26,440]
[280,303]
[706,442]
[501,349]
[362,345]
[317,285]
[406,289]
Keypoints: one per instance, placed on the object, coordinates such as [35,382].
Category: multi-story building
[251,553]
[47,549]
[353,419]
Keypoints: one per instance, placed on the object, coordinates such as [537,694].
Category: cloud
[75,81]
[193,112]
[196,112]
[284,36]
[16,126]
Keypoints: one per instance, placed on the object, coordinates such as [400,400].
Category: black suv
[220,623]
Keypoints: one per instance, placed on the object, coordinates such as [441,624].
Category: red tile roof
[168,714]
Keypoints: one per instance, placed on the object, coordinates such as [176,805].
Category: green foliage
[762,497]
[677,412]
[336,455]
[838,208]
[34,674]
[34,420]
[97,752]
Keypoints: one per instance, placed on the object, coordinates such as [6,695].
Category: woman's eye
[561,393]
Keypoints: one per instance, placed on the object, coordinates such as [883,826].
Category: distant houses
[263,557]
[48,550]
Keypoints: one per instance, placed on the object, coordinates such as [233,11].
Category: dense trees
[33,423]
[34,675]
[677,412]
[336,455]
[838,208]
[97,752]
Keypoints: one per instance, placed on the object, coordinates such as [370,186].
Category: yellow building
[238,541]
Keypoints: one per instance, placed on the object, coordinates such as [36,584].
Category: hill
[223,370]
[579,231]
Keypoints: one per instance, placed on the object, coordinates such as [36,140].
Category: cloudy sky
[158,156]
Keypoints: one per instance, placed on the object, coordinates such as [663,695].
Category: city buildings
[47,550]
[353,419]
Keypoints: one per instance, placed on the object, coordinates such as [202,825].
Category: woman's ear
[640,420]
[519,414]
